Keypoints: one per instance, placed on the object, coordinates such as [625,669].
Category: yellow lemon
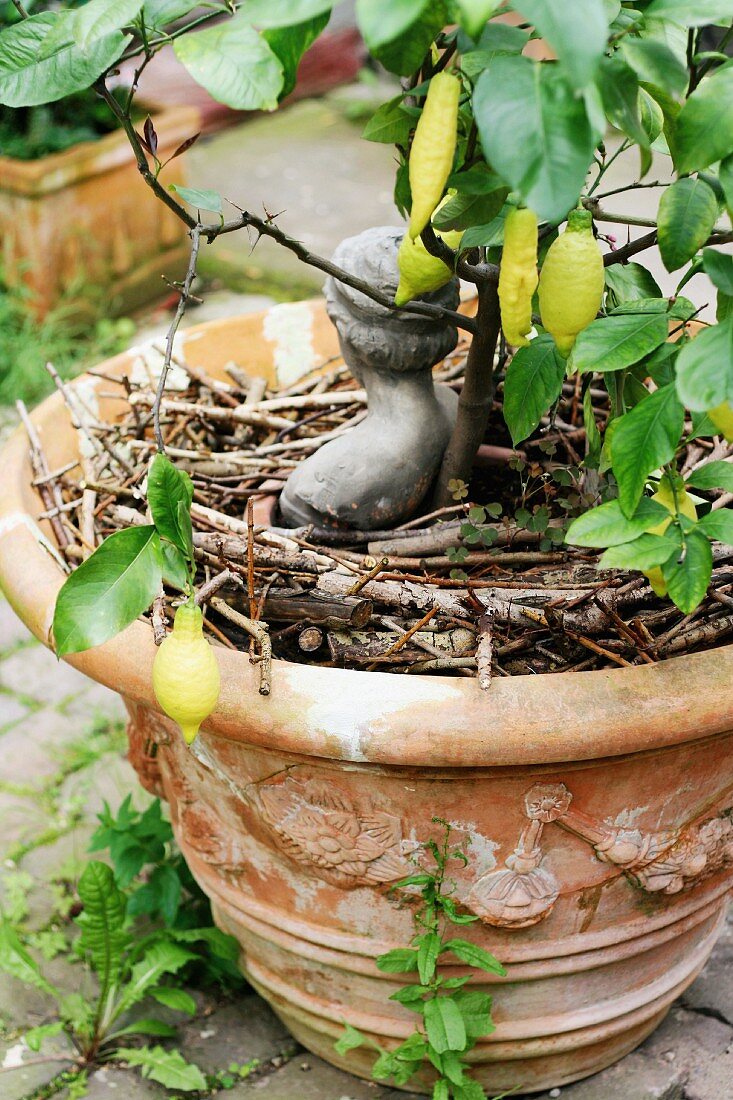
[185,673]
[571,282]
[421,273]
[722,418]
[518,275]
[433,149]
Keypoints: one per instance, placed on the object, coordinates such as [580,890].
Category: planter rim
[91,158]
[378,717]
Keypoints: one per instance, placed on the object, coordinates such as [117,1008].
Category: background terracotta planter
[85,216]
[596,807]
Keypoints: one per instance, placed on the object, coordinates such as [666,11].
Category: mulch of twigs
[383,600]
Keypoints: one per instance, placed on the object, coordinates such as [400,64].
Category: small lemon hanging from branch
[433,149]
[185,672]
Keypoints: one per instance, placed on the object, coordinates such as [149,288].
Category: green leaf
[148,1027]
[656,64]
[607,525]
[168,1067]
[175,569]
[406,52]
[619,88]
[158,13]
[162,957]
[350,1040]
[16,961]
[234,64]
[400,961]
[645,439]
[102,921]
[444,1024]
[690,13]
[381,21]
[687,213]
[475,956]
[29,77]
[390,123]
[468,209]
[719,267]
[713,475]
[613,343]
[428,950]
[441,1091]
[109,590]
[177,999]
[99,18]
[36,1036]
[473,14]
[488,236]
[718,525]
[290,43]
[283,13]
[705,368]
[201,199]
[703,132]
[168,487]
[629,282]
[533,382]
[642,553]
[475,1008]
[578,39]
[535,132]
[688,579]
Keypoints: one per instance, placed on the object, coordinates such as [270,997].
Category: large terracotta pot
[85,217]
[595,806]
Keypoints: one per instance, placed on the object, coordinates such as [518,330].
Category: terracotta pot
[596,806]
[85,216]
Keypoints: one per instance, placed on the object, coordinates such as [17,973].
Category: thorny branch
[185,294]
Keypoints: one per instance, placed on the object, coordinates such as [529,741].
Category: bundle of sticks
[392,600]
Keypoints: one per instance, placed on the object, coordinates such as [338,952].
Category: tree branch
[185,294]
[472,273]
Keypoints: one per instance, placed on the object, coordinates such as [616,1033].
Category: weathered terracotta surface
[595,806]
[85,216]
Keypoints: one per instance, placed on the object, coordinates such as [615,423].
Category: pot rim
[375,717]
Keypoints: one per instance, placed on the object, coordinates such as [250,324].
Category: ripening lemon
[722,418]
[185,672]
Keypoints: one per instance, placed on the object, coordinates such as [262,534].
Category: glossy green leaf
[703,132]
[645,439]
[489,236]
[466,209]
[705,368]
[473,14]
[613,343]
[175,569]
[109,590]
[687,213]
[533,382]
[162,957]
[713,475]
[719,267]
[234,64]
[688,579]
[158,13]
[578,40]
[619,88]
[173,997]
[629,282]
[283,13]
[381,21]
[691,13]
[718,525]
[400,961]
[607,525]
[201,199]
[99,18]
[644,552]
[655,63]
[444,1024]
[405,53]
[28,76]
[390,123]
[290,43]
[473,955]
[535,132]
[169,487]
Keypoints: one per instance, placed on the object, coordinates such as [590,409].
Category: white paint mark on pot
[626,819]
[14,1056]
[22,519]
[148,364]
[289,326]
